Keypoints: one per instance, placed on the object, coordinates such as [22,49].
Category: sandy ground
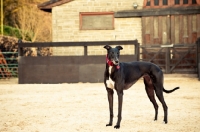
[84,107]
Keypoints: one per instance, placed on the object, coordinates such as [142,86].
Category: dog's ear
[119,47]
[107,47]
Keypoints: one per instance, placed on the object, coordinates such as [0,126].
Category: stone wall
[65,25]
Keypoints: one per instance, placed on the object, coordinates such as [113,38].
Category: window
[96,20]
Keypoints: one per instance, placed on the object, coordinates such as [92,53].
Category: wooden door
[172,31]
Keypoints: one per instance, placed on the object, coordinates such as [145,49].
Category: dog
[121,76]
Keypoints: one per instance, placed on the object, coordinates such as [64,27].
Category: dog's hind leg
[150,92]
[110,101]
[159,94]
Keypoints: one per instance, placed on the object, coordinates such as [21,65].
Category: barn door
[172,31]
[169,31]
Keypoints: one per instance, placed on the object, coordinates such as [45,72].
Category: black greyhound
[121,76]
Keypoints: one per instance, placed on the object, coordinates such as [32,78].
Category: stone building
[71,18]
[103,20]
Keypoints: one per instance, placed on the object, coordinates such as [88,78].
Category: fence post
[20,53]
[198,57]
[167,60]
[137,50]
[85,50]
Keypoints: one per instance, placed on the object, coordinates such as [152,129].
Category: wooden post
[137,50]
[167,60]
[20,49]
[198,57]
[2,17]
[85,51]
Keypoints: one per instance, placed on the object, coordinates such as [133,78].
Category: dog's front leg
[110,101]
[120,100]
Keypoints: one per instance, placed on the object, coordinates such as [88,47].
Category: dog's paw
[117,126]
[164,122]
[109,124]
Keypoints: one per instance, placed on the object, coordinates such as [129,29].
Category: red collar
[110,63]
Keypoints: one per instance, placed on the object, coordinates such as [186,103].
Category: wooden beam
[158,12]
[86,43]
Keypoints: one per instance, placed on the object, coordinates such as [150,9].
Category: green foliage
[10,31]
[24,20]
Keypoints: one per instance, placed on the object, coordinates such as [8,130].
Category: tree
[31,21]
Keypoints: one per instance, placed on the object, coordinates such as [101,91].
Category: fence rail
[8,64]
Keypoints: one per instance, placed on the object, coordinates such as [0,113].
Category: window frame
[82,14]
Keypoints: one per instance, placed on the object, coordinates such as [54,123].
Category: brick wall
[65,22]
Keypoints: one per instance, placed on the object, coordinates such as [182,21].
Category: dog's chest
[110,83]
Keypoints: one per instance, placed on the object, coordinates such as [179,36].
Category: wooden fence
[67,69]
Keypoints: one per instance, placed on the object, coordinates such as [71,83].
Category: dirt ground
[84,107]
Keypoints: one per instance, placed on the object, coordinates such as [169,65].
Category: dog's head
[113,54]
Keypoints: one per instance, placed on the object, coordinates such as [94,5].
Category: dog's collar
[110,63]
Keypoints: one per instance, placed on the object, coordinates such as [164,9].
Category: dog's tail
[170,91]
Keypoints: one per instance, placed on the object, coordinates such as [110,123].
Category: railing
[8,65]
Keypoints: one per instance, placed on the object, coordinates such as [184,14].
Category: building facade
[68,15]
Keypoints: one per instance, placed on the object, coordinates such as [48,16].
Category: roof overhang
[48,5]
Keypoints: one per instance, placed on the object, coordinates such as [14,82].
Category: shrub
[10,31]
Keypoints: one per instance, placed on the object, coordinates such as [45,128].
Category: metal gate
[8,64]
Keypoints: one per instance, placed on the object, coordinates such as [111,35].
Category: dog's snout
[116,61]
